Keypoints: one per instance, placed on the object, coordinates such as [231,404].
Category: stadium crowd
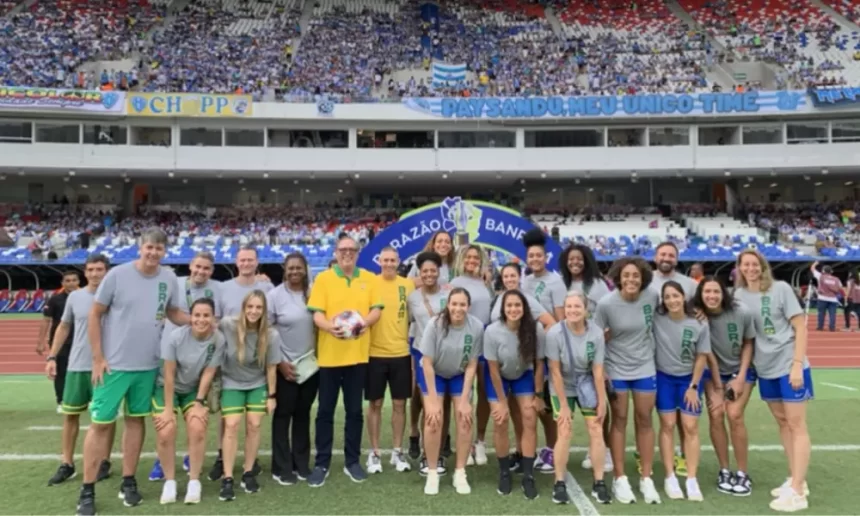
[350,50]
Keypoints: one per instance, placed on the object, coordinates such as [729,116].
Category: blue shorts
[452,386]
[778,389]
[647,385]
[670,394]
[522,386]
[751,376]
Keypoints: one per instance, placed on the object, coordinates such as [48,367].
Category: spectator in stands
[53,317]
[344,287]
[830,294]
[697,272]
[785,379]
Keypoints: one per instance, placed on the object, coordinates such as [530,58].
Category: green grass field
[31,440]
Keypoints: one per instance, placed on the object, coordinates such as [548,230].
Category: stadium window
[308,138]
[243,137]
[842,132]
[201,137]
[726,135]
[626,137]
[477,139]
[762,134]
[566,138]
[16,132]
[806,132]
[372,139]
[160,136]
[668,136]
[56,133]
[105,134]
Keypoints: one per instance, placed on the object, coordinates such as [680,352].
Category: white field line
[578,497]
[575,449]
[842,387]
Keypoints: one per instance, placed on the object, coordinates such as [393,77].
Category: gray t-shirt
[535,307]
[418,310]
[76,314]
[452,352]
[772,312]
[586,350]
[232,295]
[548,289]
[595,293]
[288,313]
[630,349]
[480,294]
[728,332]
[503,346]
[188,294]
[192,357]
[678,343]
[246,375]
[687,283]
[445,274]
[137,308]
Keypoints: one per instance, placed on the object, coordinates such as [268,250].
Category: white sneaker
[789,501]
[586,462]
[622,490]
[694,494]
[673,488]
[399,462]
[194,492]
[431,484]
[607,463]
[374,463]
[470,460]
[777,491]
[480,450]
[461,484]
[649,491]
[59,409]
[168,492]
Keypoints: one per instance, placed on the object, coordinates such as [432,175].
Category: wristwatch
[693,386]
[50,358]
[201,401]
[273,396]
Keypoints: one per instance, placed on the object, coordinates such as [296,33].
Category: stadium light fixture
[543,175]
[20,172]
[265,175]
[773,185]
[746,185]
[727,173]
[313,175]
[805,177]
[107,187]
[444,176]
[274,190]
[2,177]
[85,186]
[185,181]
[576,181]
[591,189]
[65,179]
[241,181]
[339,190]
[127,180]
[295,181]
[773,173]
[689,179]
[357,176]
[523,190]
[849,183]
[307,190]
[72,173]
[170,175]
[824,171]
[818,183]
[554,190]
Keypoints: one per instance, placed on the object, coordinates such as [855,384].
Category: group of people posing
[544,347]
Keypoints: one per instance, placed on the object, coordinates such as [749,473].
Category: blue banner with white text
[664,104]
[842,97]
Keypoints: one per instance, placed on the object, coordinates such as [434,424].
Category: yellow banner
[190,104]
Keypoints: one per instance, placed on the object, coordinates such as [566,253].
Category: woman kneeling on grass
[190,357]
[683,348]
[249,379]
[450,346]
[575,350]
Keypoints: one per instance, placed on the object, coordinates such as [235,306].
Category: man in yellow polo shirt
[342,362]
[390,362]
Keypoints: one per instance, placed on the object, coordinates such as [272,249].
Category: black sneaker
[104,471]
[217,470]
[86,503]
[226,494]
[505,483]
[529,488]
[725,482]
[64,472]
[743,485]
[286,479]
[441,469]
[257,469]
[600,492]
[423,468]
[559,493]
[129,494]
[318,476]
[446,447]
[516,461]
[249,482]
[414,447]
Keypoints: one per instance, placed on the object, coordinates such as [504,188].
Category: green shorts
[132,388]
[181,402]
[236,402]
[572,403]
[77,392]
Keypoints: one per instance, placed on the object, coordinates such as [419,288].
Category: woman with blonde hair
[441,244]
[779,357]
[249,382]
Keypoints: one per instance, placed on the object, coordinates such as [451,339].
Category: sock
[397,450]
[505,465]
[528,464]
[219,454]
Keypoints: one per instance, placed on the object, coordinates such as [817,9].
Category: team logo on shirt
[539,290]
[162,301]
[210,352]
[765,316]
[734,339]
[401,311]
[589,352]
[648,313]
[687,350]
[467,351]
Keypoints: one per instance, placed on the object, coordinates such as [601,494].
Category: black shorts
[396,373]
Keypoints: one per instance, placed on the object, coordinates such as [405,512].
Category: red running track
[18,347]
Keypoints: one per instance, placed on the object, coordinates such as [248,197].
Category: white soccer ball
[350,323]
